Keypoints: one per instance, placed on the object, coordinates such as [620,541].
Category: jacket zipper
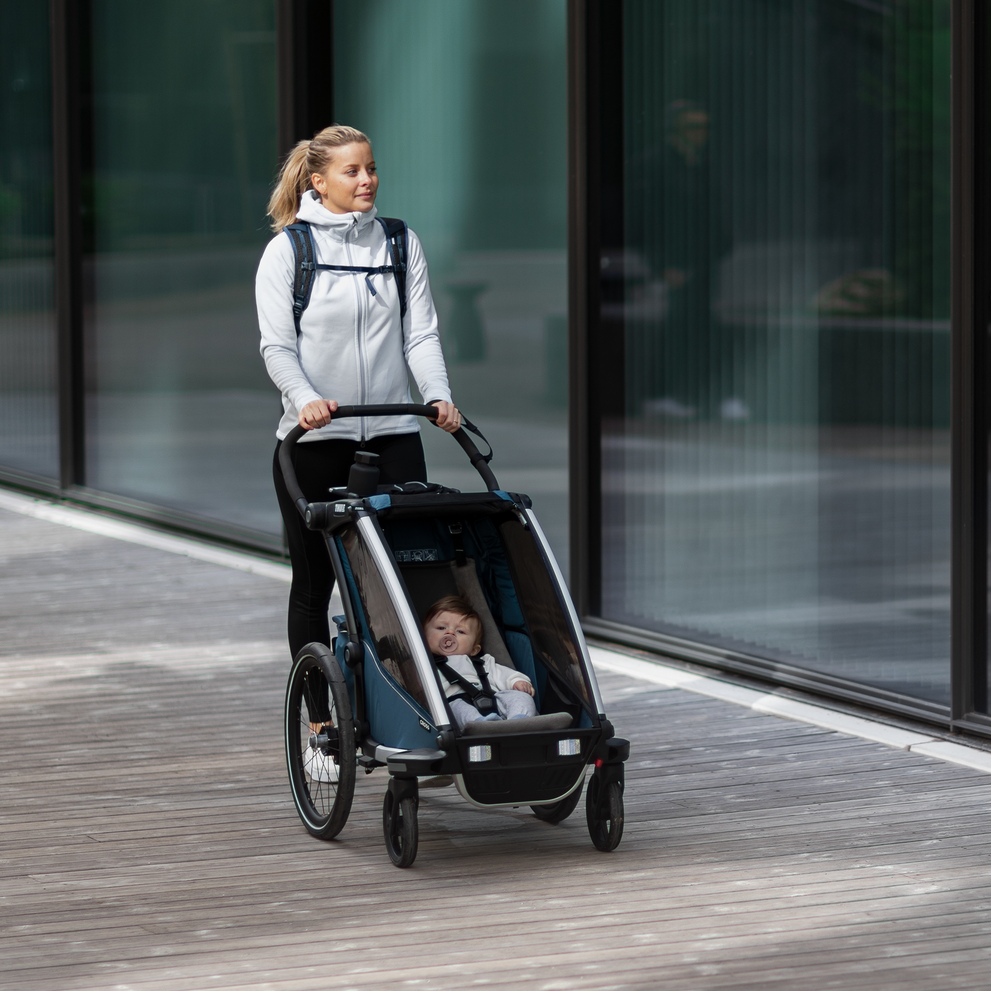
[359,321]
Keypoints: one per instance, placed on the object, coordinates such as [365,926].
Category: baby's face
[448,634]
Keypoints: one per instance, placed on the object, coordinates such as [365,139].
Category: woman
[352,347]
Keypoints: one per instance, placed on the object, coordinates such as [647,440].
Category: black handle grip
[387,409]
[477,460]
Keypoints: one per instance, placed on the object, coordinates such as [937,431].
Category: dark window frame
[592,100]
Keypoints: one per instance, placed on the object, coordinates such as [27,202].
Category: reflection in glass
[466,106]
[776,476]
[380,617]
[180,411]
[28,370]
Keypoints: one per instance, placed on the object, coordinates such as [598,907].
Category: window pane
[776,478]
[180,411]
[384,626]
[28,369]
[546,622]
[466,105]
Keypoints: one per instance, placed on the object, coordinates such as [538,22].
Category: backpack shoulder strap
[305,254]
[397,235]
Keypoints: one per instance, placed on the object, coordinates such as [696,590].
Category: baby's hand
[523,686]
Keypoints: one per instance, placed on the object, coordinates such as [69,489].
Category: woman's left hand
[448,416]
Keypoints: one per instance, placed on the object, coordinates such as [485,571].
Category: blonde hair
[307,158]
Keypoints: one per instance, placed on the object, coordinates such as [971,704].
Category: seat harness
[482,698]
[397,237]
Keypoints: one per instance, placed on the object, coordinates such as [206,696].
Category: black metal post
[969,328]
[66,34]
[583,303]
[596,354]
[305,45]
[305,77]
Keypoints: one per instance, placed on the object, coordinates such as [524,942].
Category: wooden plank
[147,839]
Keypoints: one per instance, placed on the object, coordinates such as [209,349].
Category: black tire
[557,812]
[323,806]
[608,831]
[401,831]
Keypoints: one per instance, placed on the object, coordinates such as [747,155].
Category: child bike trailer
[373,698]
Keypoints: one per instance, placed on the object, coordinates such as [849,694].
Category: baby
[476,687]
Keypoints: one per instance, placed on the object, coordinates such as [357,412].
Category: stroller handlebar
[478,461]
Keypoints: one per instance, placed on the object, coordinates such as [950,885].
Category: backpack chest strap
[368,271]
[306,265]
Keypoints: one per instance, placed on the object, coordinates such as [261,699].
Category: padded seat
[428,581]
[526,724]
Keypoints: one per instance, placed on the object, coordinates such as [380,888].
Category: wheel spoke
[323,804]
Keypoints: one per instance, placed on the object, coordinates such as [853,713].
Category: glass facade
[182,129]
[466,105]
[28,365]
[754,198]
[776,478]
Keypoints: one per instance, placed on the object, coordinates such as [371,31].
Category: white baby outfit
[510,703]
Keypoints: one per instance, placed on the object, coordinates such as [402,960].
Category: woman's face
[350,182]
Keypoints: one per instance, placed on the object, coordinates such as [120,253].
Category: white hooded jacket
[352,346]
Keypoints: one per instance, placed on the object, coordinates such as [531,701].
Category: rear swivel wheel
[604,812]
[320,748]
[400,827]
[559,811]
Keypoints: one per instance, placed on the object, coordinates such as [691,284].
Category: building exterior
[711,275]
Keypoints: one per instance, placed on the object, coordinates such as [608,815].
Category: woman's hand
[317,414]
[448,416]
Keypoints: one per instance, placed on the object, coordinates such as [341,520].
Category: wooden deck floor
[149,843]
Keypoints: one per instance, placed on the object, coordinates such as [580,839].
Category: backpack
[397,236]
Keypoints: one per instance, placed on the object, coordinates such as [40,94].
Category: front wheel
[604,812]
[401,831]
[320,747]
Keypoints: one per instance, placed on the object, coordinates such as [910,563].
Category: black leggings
[321,465]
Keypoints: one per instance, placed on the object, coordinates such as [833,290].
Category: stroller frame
[539,761]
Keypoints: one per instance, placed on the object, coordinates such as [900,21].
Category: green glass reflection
[28,396]
[465,102]
[777,476]
[180,411]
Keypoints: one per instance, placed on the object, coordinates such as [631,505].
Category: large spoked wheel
[400,828]
[558,811]
[320,745]
[605,817]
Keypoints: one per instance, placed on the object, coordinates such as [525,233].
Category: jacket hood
[314,212]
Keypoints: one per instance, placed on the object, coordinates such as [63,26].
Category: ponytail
[294,180]
[306,159]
